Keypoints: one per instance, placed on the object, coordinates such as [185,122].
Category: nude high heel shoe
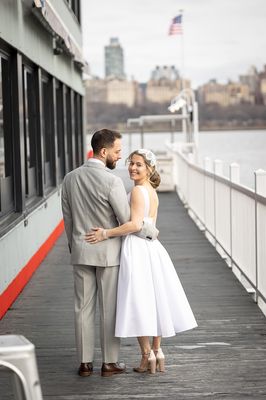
[147,364]
[144,364]
[152,362]
[160,360]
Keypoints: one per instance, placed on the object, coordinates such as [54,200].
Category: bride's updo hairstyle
[150,161]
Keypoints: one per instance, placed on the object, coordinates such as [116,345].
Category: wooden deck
[225,357]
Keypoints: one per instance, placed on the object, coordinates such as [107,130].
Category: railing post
[218,167]
[184,123]
[207,163]
[218,170]
[234,171]
[175,170]
[260,189]
[196,124]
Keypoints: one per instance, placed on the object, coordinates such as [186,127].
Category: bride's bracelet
[104,233]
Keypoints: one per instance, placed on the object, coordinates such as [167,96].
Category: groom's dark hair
[104,138]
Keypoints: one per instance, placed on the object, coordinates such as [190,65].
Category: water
[247,148]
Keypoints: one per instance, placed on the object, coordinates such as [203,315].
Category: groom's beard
[110,163]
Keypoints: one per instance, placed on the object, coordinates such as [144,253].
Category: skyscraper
[114,60]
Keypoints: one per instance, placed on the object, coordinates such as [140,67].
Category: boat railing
[232,216]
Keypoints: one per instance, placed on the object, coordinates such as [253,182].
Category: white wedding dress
[150,298]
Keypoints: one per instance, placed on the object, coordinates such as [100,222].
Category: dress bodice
[146,202]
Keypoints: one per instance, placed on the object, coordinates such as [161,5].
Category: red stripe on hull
[15,287]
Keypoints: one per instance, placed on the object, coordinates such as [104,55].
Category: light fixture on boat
[186,102]
[177,103]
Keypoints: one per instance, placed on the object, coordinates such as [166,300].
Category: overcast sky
[222,38]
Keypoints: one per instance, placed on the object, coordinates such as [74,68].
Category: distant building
[262,85]
[166,72]
[165,83]
[96,90]
[114,60]
[225,94]
[141,93]
[112,91]
[252,80]
[121,91]
[263,89]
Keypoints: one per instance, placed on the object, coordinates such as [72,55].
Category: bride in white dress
[151,301]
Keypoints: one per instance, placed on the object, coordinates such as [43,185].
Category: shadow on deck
[225,357]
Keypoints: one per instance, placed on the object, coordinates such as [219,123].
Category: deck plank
[225,357]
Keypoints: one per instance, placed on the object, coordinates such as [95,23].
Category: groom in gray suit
[92,196]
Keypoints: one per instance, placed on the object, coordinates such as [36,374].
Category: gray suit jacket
[92,196]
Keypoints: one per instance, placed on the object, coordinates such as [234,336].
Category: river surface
[247,148]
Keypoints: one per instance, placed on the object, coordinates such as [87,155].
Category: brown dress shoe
[112,369]
[85,369]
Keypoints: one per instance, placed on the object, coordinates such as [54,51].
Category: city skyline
[221,40]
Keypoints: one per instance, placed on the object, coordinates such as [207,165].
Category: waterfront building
[252,80]
[41,130]
[165,72]
[165,83]
[141,93]
[121,91]
[114,60]
[96,90]
[263,89]
[225,94]
[262,85]
[111,91]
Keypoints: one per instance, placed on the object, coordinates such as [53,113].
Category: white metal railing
[232,216]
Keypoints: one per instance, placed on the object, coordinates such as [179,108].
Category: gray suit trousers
[88,282]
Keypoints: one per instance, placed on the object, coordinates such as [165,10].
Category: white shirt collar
[96,160]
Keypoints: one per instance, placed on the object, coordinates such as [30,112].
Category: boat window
[48,134]
[6,138]
[30,131]
[78,129]
[69,130]
[60,131]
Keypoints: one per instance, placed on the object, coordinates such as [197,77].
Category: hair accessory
[149,155]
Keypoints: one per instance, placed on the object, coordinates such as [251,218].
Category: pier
[225,357]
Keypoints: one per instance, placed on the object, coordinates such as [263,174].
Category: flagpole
[182,54]
[182,72]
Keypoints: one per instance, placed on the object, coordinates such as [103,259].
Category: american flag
[176,26]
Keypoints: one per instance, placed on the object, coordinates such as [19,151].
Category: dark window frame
[78,121]
[74,5]
[48,133]
[7,195]
[60,130]
[31,131]
[68,129]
